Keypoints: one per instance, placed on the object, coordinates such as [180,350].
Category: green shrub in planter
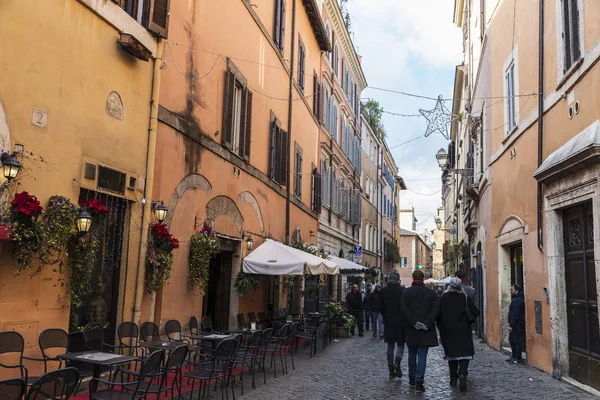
[338,314]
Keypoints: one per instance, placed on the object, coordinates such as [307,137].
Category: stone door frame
[573,190]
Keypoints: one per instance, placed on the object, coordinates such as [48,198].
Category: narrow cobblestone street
[353,369]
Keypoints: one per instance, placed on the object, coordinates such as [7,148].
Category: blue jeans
[417,362]
[390,353]
[377,326]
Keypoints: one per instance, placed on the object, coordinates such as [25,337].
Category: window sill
[509,134]
[570,72]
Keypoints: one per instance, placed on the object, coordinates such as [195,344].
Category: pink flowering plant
[27,232]
[159,256]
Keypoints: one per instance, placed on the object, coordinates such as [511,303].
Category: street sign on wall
[358,254]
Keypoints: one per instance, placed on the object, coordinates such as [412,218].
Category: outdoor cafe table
[161,345]
[212,337]
[98,359]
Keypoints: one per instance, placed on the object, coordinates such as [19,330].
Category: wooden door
[582,300]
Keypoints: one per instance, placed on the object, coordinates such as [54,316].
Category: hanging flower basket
[5,232]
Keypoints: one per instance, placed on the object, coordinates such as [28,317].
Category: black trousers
[367,319]
[359,315]
[458,367]
[516,343]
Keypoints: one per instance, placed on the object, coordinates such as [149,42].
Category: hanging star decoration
[439,118]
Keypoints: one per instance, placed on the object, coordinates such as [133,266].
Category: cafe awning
[347,265]
[274,258]
[431,280]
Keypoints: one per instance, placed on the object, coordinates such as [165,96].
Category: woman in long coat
[455,331]
[393,322]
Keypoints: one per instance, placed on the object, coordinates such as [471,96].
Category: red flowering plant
[159,256]
[27,232]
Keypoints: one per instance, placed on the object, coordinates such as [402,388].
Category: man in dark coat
[393,321]
[367,308]
[420,307]
[375,300]
[354,303]
[516,322]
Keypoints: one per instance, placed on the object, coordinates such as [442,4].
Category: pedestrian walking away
[354,302]
[516,324]
[367,308]
[393,319]
[375,301]
[420,307]
[455,331]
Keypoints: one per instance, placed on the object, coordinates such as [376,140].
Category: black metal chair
[173,331]
[139,384]
[174,366]
[289,345]
[276,347]
[218,369]
[262,320]
[59,384]
[12,342]
[241,321]
[246,356]
[93,335]
[207,325]
[263,345]
[150,331]
[12,389]
[193,324]
[52,339]
[128,334]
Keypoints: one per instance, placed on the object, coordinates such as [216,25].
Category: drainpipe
[540,198]
[147,210]
[290,112]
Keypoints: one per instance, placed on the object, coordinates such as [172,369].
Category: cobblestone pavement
[356,368]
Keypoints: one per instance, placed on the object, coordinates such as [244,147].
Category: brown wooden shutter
[158,19]
[273,150]
[284,157]
[317,191]
[248,126]
[277,30]
[121,3]
[282,31]
[300,174]
[226,136]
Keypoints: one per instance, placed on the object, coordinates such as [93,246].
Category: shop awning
[445,281]
[431,280]
[274,258]
[347,265]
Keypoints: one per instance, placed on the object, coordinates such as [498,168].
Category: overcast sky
[409,46]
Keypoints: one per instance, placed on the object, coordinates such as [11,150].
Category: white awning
[274,258]
[431,280]
[347,264]
[445,281]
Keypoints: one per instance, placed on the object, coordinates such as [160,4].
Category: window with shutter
[158,16]
[317,198]
[316,95]
[284,152]
[298,172]
[301,62]
[237,113]
[336,60]
[571,33]
[279,33]
[279,152]
[511,121]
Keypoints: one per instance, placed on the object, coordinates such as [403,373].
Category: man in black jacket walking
[354,302]
[367,307]
[420,306]
[516,322]
[393,321]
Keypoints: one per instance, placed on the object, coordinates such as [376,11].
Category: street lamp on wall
[83,222]
[249,243]
[10,166]
[160,210]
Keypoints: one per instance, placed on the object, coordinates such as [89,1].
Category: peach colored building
[544,210]
[238,142]
[77,109]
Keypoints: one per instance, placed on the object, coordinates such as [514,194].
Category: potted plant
[27,233]
[245,283]
[159,256]
[202,248]
[342,321]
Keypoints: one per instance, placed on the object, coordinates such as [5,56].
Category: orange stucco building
[531,207]
[238,142]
